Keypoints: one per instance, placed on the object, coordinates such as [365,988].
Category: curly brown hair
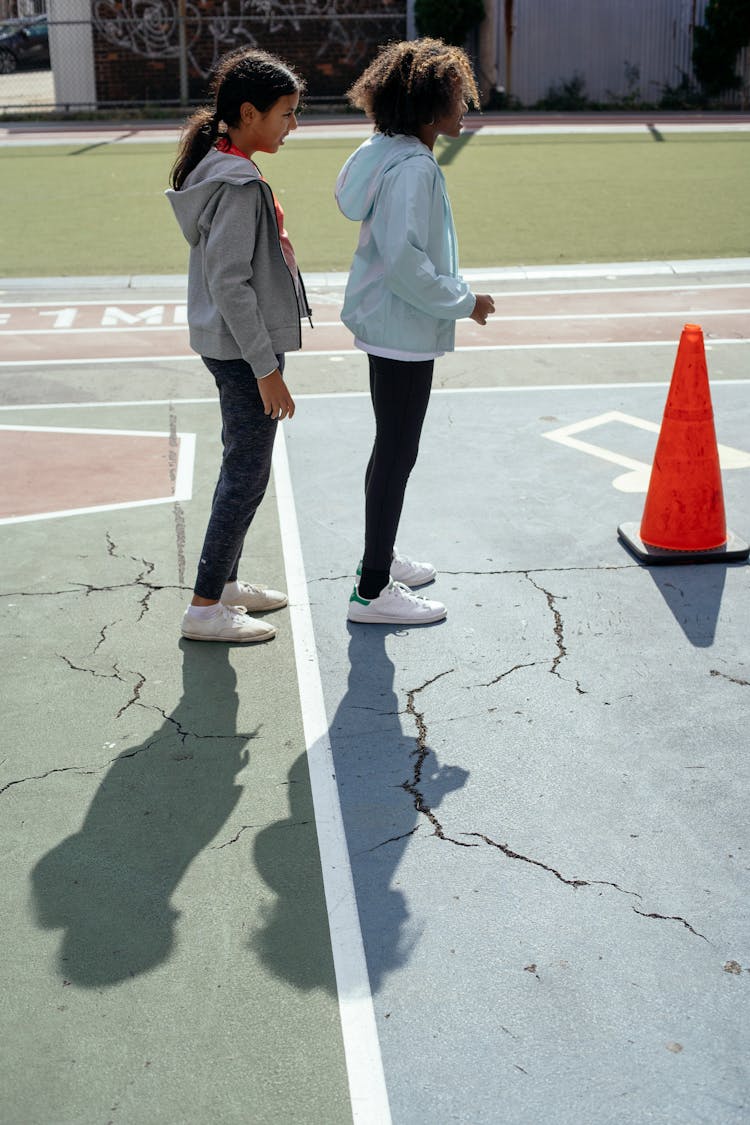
[412,83]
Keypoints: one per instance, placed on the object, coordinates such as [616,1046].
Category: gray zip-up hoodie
[242,299]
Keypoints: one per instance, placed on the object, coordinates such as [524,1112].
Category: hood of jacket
[208,177]
[361,177]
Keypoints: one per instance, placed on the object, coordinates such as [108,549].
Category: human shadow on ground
[388,779]
[109,886]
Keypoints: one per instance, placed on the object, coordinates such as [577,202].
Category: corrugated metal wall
[618,47]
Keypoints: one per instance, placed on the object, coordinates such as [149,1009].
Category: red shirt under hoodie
[225,145]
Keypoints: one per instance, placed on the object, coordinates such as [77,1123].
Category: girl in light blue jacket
[404,293]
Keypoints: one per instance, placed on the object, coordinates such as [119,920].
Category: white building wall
[553,40]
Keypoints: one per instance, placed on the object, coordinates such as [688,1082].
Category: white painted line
[579,345]
[510,389]
[127,301]
[79,430]
[519,317]
[367,1089]
[309,354]
[121,403]
[636,480]
[641,315]
[129,328]
[64,513]
[183,487]
[600,292]
[102,360]
[183,481]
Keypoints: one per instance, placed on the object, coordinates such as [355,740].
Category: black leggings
[400,392]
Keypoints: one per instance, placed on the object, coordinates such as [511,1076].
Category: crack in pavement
[183,733]
[508,672]
[268,824]
[540,570]
[113,675]
[135,697]
[87,588]
[102,636]
[732,679]
[558,626]
[672,918]
[159,736]
[41,776]
[497,573]
[422,751]
[140,580]
[391,840]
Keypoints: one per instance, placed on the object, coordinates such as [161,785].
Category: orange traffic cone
[683,520]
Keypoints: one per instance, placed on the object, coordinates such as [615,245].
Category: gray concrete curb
[333,280]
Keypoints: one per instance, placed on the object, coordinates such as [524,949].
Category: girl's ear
[247,112]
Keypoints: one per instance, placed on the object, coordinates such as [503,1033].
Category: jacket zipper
[308,310]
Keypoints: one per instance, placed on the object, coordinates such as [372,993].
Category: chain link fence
[151,55]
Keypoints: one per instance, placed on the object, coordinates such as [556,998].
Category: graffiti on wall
[150,28]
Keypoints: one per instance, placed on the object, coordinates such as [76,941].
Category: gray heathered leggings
[247,435]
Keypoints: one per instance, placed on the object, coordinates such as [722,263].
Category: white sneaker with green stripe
[395,605]
[408,571]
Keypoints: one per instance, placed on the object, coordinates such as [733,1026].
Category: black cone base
[734,550]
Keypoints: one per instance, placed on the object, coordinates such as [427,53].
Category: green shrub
[450,20]
[566,96]
[685,95]
[718,42]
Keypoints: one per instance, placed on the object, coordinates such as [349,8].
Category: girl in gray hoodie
[245,301]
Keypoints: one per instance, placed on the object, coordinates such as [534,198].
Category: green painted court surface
[94,209]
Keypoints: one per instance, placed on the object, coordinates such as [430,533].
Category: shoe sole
[230,640]
[390,619]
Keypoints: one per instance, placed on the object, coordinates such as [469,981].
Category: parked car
[23,43]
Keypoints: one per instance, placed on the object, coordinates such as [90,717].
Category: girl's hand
[276,398]
[483,306]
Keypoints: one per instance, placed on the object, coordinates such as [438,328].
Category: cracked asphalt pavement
[544,797]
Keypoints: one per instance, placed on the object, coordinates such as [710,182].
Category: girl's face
[450,123]
[265,132]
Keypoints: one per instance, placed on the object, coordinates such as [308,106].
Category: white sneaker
[395,605]
[255,599]
[407,571]
[231,623]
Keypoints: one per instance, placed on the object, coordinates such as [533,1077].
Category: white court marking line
[183,485]
[309,354]
[364,1064]
[106,359]
[545,387]
[520,317]
[179,301]
[637,479]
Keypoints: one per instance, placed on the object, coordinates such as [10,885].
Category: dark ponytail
[242,75]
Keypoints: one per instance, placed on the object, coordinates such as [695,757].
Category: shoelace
[402,591]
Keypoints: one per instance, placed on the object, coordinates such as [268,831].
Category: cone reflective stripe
[683,518]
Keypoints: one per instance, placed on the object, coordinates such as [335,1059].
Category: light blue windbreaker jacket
[404,290]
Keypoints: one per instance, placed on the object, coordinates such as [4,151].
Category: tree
[718,42]
[450,20]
